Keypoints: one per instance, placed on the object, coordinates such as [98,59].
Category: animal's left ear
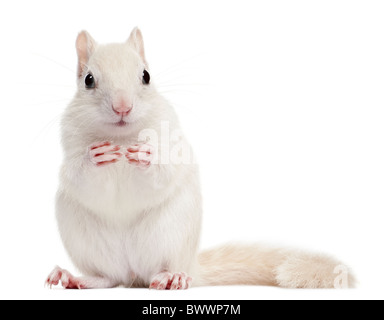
[136,41]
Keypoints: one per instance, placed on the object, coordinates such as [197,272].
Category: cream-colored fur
[267,266]
[136,222]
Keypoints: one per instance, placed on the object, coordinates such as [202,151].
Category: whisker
[54,61]
[46,84]
[46,128]
[50,102]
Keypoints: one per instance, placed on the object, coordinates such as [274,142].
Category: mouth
[121,123]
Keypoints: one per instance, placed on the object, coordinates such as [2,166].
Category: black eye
[90,81]
[146,77]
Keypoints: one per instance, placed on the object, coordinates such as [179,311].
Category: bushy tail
[266,266]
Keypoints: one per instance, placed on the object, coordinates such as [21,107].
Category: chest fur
[115,192]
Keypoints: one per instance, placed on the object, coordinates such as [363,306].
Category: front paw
[140,155]
[104,153]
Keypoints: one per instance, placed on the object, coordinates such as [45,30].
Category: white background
[282,100]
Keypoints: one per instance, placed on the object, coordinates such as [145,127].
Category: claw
[103,153]
[140,155]
[169,281]
[68,281]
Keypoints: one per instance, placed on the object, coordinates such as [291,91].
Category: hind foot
[170,281]
[68,281]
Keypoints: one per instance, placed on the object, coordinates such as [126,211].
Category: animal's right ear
[85,46]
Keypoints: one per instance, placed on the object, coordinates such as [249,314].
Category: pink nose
[122,109]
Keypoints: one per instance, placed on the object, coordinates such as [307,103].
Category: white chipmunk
[129,218]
